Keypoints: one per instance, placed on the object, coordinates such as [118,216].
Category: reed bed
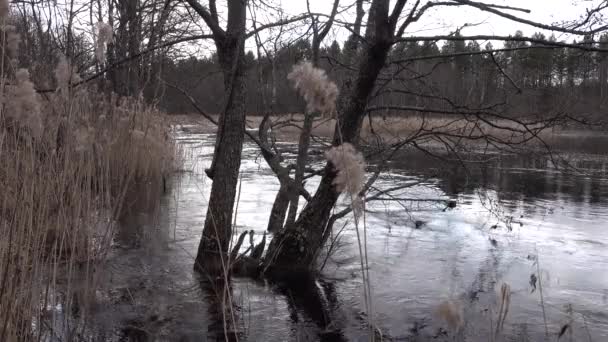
[73,163]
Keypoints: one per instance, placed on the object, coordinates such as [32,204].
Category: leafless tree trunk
[296,247]
[281,202]
[127,43]
[351,47]
[305,134]
[230,43]
[153,60]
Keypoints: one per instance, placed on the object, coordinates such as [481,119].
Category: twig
[540,291]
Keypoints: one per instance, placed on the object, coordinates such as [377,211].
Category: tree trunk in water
[294,195]
[213,248]
[226,164]
[279,209]
[305,135]
[295,248]
[281,201]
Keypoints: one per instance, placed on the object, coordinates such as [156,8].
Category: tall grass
[72,164]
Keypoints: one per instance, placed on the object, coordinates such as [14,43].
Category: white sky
[436,21]
[445,19]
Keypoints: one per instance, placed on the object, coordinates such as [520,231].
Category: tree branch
[494,9]
[585,46]
[267,152]
[394,18]
[330,22]
[209,18]
[470,53]
[130,58]
[275,24]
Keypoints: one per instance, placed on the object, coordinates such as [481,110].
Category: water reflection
[513,218]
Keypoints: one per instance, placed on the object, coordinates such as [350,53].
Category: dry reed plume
[4,9]
[350,172]
[104,36]
[313,85]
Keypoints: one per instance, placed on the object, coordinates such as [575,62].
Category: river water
[515,220]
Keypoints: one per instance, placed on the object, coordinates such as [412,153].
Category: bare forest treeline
[518,78]
[537,75]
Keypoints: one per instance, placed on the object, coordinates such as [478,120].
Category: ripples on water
[463,254]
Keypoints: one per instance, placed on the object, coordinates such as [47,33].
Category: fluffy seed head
[23,103]
[104,36]
[65,74]
[4,9]
[62,72]
[312,83]
[12,41]
[350,167]
[22,76]
[82,138]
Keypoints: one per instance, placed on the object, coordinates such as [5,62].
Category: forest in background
[151,51]
[519,77]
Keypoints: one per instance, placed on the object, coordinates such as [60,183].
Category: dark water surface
[512,220]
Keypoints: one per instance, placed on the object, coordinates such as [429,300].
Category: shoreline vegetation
[64,190]
[74,163]
[385,130]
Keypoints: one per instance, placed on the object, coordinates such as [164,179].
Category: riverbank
[64,190]
[461,255]
[426,132]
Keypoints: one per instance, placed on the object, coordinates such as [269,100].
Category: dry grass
[392,129]
[62,192]
[389,129]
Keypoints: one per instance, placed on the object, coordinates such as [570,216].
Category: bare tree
[298,244]
[376,78]
[296,247]
[224,170]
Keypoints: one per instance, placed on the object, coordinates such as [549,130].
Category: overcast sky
[445,19]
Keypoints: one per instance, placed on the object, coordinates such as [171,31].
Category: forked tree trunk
[213,248]
[285,193]
[301,160]
[295,248]
[279,209]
